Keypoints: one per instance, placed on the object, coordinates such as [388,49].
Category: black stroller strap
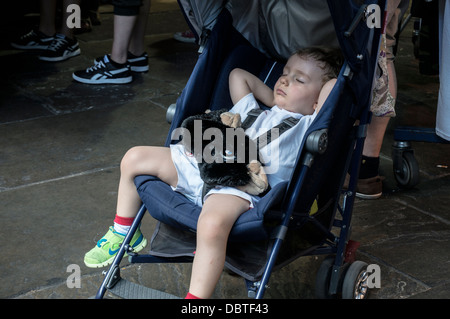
[252,115]
[266,138]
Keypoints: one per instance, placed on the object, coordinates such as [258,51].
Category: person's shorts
[126,7]
[383,103]
[190,183]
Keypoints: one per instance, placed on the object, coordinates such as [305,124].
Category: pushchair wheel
[354,285]
[406,170]
[323,279]
[170,112]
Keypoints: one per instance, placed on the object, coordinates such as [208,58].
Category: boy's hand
[231,119]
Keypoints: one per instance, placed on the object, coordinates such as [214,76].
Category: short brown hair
[330,59]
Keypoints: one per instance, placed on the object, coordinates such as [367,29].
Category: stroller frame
[336,275]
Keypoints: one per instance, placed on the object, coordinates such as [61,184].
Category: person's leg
[47,17]
[114,68]
[136,46]
[219,213]
[123,28]
[65,30]
[369,182]
[41,38]
[378,125]
[64,44]
[125,16]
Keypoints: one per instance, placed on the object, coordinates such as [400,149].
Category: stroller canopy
[275,27]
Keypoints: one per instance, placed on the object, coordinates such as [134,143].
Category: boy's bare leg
[219,213]
[142,160]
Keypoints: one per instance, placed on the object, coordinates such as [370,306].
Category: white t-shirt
[278,156]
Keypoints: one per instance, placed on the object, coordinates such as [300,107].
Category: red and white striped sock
[191,296]
[122,224]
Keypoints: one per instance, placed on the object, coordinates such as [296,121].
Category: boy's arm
[242,83]
[324,92]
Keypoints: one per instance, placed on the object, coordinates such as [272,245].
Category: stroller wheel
[354,285]
[323,279]
[170,112]
[406,168]
[407,174]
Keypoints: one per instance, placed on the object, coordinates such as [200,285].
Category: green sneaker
[107,247]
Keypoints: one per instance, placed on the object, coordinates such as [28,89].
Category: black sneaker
[137,64]
[104,72]
[33,40]
[60,49]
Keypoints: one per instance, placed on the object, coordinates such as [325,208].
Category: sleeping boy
[307,79]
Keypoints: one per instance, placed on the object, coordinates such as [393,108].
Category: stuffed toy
[232,161]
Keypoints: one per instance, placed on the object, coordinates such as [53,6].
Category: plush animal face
[223,153]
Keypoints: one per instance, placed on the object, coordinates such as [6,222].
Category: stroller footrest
[129,290]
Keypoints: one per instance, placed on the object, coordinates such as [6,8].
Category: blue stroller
[280,228]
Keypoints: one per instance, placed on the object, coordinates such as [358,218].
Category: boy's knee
[210,228]
[131,158]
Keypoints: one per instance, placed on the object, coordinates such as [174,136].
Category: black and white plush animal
[225,155]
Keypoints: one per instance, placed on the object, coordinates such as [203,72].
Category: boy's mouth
[280,92]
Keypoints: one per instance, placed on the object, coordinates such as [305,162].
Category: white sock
[121,229]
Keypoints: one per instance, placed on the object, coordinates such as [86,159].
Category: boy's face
[297,90]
